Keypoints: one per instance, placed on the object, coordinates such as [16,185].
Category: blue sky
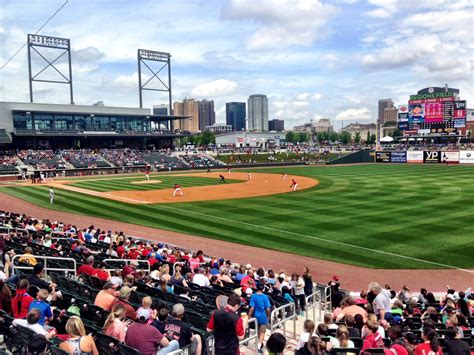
[312,58]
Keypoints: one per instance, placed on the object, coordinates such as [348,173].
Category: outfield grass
[167,182]
[417,211]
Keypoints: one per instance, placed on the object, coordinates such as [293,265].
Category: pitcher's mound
[143,182]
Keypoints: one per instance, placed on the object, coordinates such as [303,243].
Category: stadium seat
[344,351]
[127,350]
[107,345]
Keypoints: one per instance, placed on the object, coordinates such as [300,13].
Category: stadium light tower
[144,56]
[61,46]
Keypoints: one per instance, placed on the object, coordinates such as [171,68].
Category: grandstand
[66,251]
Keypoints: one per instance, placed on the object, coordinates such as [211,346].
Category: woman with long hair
[78,342]
[342,339]
[308,282]
[5,298]
[115,325]
[22,300]
[430,345]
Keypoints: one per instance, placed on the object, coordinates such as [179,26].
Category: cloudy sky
[312,58]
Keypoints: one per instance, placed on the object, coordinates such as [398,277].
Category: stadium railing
[313,304]
[252,336]
[281,315]
[67,270]
[325,295]
[127,261]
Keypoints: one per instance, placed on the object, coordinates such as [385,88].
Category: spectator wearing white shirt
[201,279]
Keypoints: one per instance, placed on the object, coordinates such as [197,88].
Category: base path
[352,277]
[261,184]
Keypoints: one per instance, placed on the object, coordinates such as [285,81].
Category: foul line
[322,239]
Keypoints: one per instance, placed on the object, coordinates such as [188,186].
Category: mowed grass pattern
[415,211]
[167,182]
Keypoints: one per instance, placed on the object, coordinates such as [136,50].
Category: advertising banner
[382,157]
[460,123]
[398,157]
[414,156]
[416,113]
[431,157]
[466,156]
[402,126]
[450,157]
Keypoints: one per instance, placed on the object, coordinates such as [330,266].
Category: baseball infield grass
[163,182]
[379,216]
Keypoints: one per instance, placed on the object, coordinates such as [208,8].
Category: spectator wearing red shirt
[121,249]
[88,268]
[373,339]
[229,327]
[21,301]
[431,345]
[134,253]
[130,268]
[102,273]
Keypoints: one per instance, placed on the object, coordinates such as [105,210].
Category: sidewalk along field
[138,183]
[380,216]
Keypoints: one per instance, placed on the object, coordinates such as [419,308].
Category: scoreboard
[441,115]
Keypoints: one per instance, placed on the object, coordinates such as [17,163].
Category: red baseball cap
[335,278]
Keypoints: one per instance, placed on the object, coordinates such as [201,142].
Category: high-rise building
[383,103]
[276,125]
[160,110]
[189,107]
[257,113]
[390,114]
[207,115]
[235,115]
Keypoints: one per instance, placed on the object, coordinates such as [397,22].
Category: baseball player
[177,189]
[249,176]
[222,179]
[42,177]
[294,185]
[147,172]
[228,169]
[169,169]
[284,175]
[51,195]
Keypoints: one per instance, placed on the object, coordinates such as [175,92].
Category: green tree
[302,137]
[396,133]
[357,137]
[291,137]
[367,140]
[207,138]
[373,138]
[333,136]
[345,137]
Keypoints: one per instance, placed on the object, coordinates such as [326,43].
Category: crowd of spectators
[41,159]
[7,163]
[84,158]
[180,296]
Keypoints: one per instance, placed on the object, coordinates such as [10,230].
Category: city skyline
[312,59]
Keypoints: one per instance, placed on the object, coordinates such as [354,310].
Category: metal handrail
[289,308]
[312,301]
[127,261]
[182,263]
[46,268]
[251,337]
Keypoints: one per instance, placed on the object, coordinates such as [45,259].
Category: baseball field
[378,216]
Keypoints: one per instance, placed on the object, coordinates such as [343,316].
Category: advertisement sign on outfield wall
[382,157]
[450,157]
[466,156]
[398,157]
[414,156]
[431,157]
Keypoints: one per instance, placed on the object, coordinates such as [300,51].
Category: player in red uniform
[294,185]
[147,172]
[177,189]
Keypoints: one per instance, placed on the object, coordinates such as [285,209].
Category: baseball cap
[143,314]
[335,278]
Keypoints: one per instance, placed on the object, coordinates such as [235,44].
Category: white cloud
[317,97]
[282,24]
[402,52]
[353,114]
[385,8]
[127,81]
[219,87]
